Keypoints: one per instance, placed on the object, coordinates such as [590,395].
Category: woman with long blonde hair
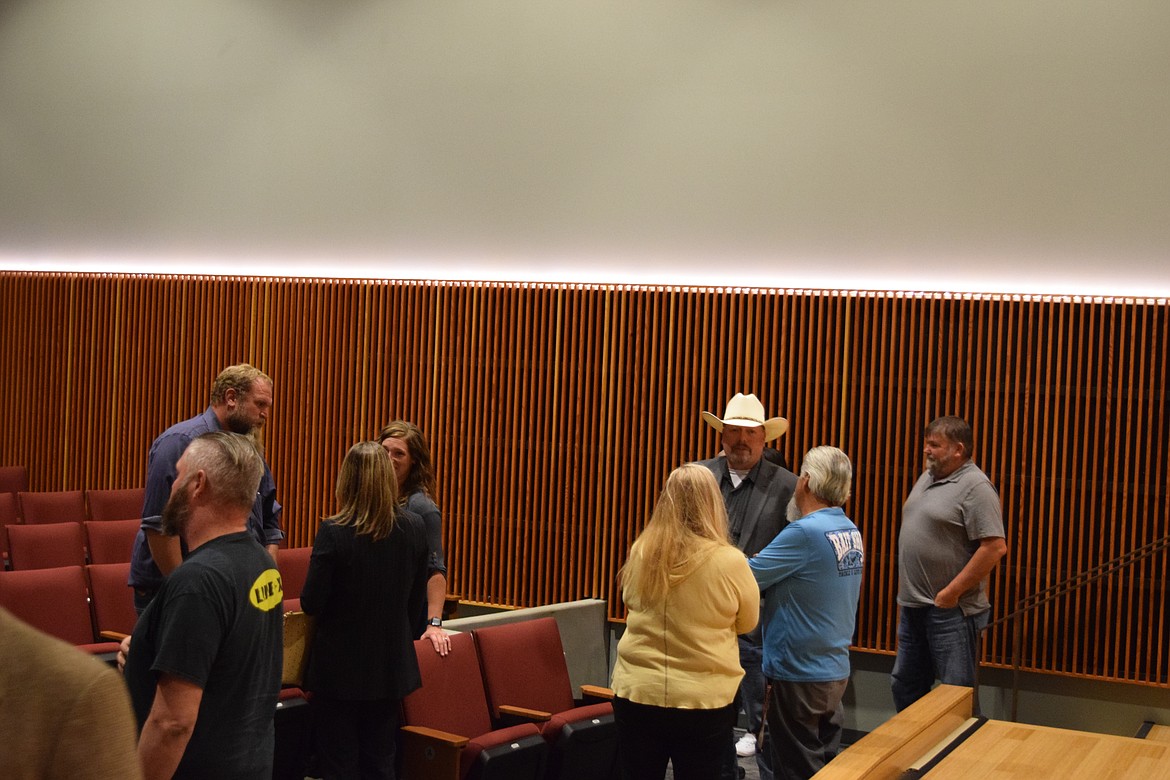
[688,593]
[366,583]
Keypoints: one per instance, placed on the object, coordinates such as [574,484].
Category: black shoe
[742,772]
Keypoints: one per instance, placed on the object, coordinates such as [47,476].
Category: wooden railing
[1065,587]
[556,411]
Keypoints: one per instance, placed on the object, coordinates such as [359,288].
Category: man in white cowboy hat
[756,493]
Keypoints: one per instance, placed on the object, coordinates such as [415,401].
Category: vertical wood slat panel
[555,411]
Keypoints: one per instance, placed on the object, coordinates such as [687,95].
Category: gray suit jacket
[765,515]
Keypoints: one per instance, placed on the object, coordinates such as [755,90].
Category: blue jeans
[750,698]
[751,688]
[934,643]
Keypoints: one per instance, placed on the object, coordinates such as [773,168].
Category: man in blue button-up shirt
[241,400]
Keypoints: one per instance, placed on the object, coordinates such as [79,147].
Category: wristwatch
[437,622]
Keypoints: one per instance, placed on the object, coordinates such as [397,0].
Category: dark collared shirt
[736,499]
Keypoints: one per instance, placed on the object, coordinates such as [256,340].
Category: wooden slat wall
[555,412]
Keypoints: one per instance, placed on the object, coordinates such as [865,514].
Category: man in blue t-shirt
[811,578]
[203,666]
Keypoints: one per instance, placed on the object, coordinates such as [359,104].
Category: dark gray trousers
[804,726]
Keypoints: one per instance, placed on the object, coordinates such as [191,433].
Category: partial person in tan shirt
[63,713]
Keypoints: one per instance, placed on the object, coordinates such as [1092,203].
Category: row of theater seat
[19,507]
[74,506]
[500,705]
[73,603]
[76,603]
[69,544]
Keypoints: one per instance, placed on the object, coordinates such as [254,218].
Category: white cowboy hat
[746,410]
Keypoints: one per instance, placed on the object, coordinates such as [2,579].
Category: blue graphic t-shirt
[811,578]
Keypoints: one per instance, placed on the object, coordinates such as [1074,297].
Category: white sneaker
[746,745]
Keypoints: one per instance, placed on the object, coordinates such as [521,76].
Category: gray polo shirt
[943,522]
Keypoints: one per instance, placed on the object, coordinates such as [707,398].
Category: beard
[933,465]
[740,458]
[238,422]
[792,513]
[177,513]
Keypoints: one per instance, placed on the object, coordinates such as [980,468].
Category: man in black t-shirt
[204,663]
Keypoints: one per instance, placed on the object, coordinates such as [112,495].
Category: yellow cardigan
[683,653]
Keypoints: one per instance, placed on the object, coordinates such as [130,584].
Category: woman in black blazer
[366,583]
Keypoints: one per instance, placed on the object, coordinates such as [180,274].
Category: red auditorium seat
[8,517]
[113,600]
[293,563]
[46,546]
[53,506]
[524,667]
[13,479]
[54,601]
[111,541]
[447,730]
[115,504]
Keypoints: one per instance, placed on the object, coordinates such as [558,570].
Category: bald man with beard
[203,665]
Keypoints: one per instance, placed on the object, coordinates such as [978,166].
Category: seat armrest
[435,735]
[116,636]
[595,694]
[511,715]
[431,753]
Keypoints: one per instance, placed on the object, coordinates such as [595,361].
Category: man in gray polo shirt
[950,540]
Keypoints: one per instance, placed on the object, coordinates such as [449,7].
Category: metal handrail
[1062,588]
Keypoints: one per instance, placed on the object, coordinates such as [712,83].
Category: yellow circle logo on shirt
[266,591]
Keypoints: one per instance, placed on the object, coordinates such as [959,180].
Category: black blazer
[365,595]
[765,516]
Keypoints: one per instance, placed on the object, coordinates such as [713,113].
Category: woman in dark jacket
[366,583]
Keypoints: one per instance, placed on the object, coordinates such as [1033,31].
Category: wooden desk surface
[1159,733]
[1000,750]
[887,751]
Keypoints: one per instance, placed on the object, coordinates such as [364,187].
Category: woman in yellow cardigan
[688,593]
